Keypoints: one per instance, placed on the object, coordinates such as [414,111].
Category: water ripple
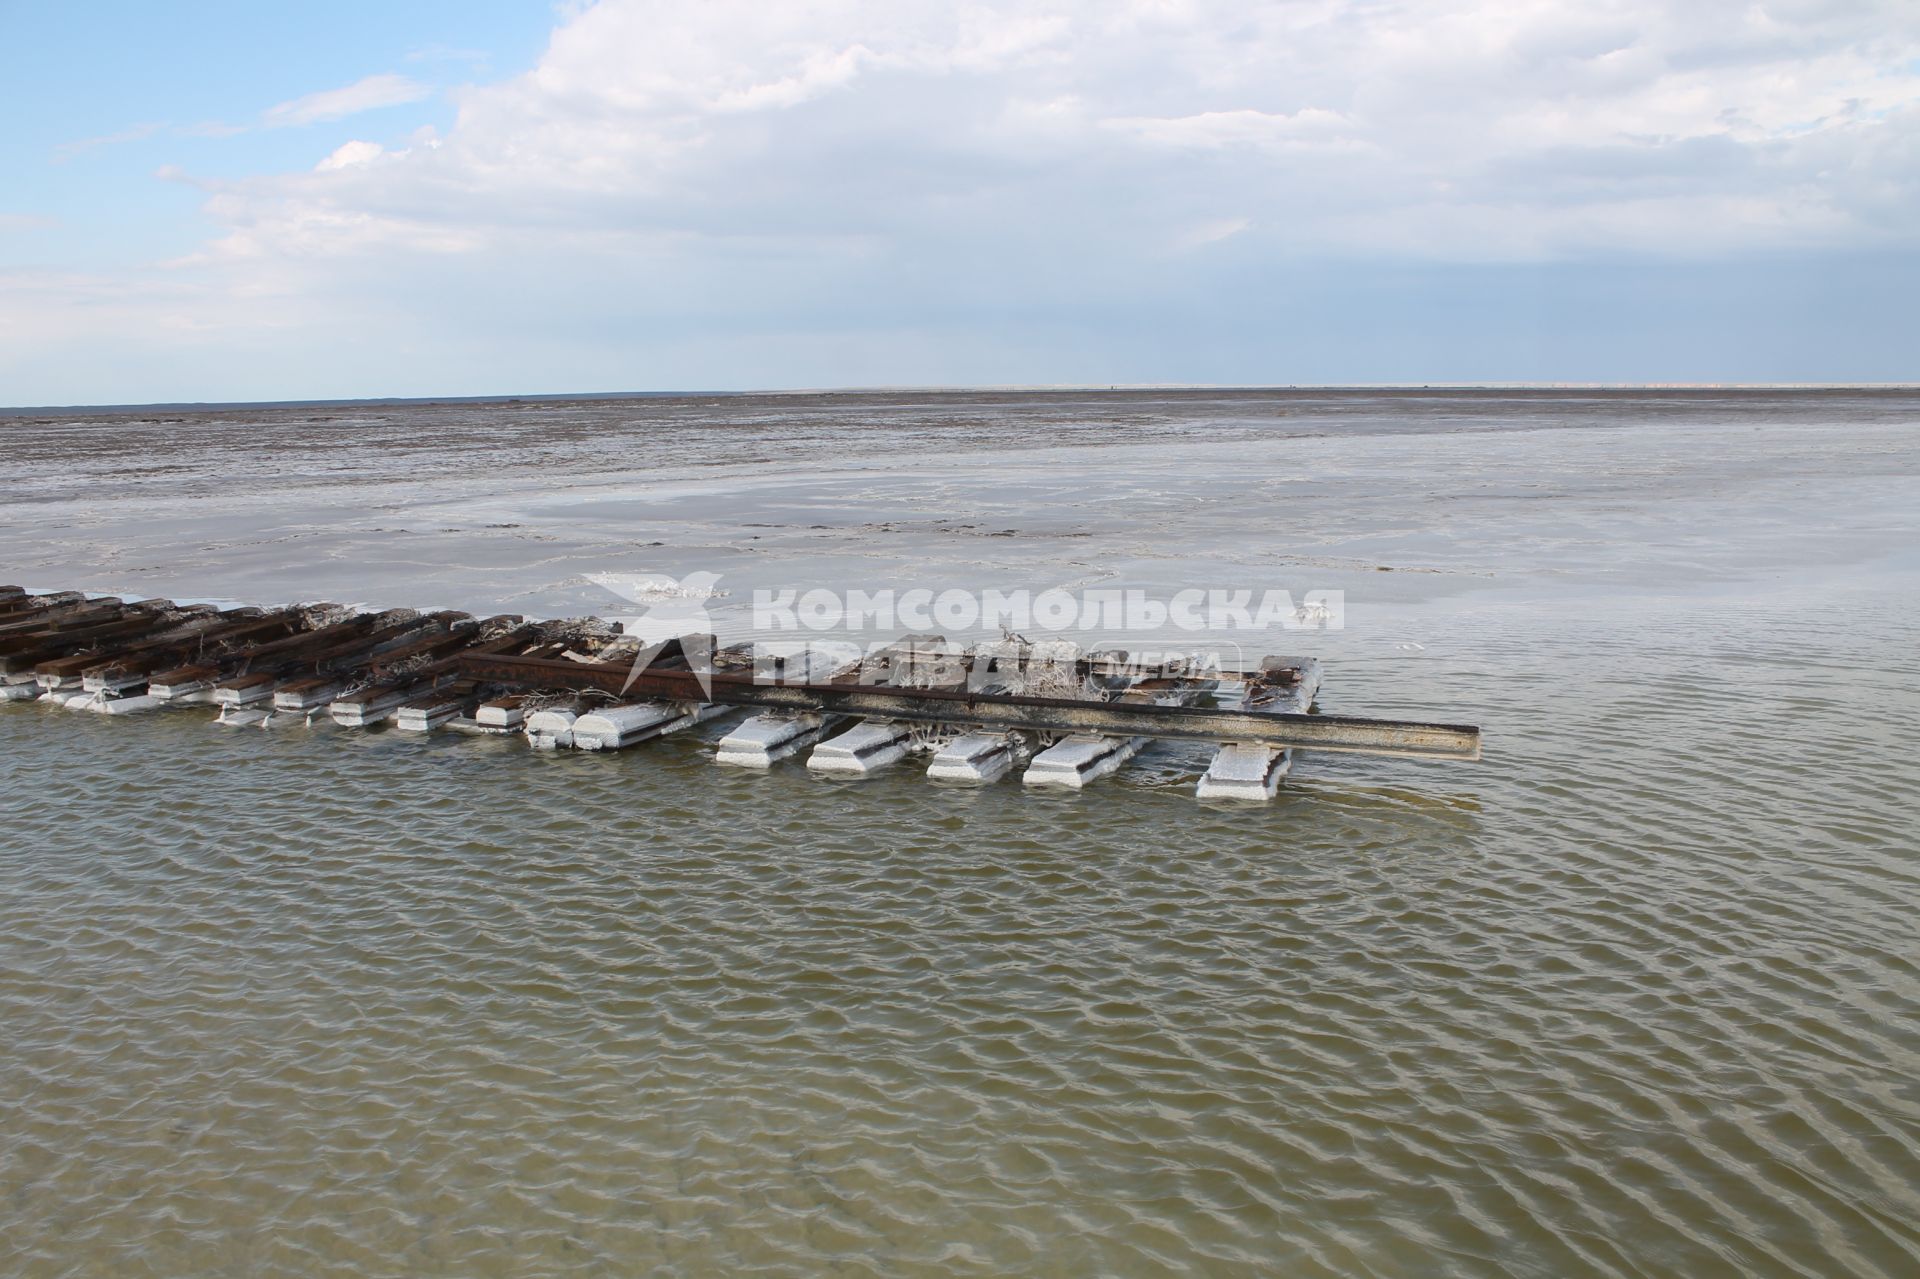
[1637,996]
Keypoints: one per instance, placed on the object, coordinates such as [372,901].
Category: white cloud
[351,153]
[367,94]
[337,104]
[1242,127]
[1211,232]
[860,164]
[133,133]
[867,121]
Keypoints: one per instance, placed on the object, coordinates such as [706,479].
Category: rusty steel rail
[1405,738]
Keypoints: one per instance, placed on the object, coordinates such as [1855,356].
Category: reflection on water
[1636,995]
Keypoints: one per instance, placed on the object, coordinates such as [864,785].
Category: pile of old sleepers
[1062,716]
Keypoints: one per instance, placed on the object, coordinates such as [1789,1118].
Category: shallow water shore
[1634,995]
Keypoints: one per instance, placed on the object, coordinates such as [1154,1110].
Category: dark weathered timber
[407,686]
[177,631]
[18,606]
[184,675]
[12,606]
[301,643]
[60,617]
[520,640]
[27,651]
[439,644]
[237,626]
[391,638]
[1406,738]
[343,645]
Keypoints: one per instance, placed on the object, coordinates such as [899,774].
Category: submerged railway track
[1062,716]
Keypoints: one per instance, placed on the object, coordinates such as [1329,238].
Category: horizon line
[948,389]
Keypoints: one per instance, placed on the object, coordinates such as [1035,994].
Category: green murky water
[1636,995]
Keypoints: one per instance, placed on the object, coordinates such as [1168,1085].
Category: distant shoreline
[1305,388]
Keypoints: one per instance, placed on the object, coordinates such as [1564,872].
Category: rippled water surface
[1636,995]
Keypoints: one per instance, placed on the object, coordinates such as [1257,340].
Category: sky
[237,201]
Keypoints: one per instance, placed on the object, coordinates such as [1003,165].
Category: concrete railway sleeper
[1060,716]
